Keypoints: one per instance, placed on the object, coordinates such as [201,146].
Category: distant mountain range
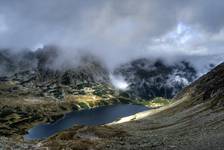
[146,79]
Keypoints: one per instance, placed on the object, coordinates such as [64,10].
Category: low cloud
[119,82]
[116,31]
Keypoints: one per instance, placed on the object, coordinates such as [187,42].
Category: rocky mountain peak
[148,79]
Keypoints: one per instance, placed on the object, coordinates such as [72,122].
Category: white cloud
[116,31]
[3,26]
[119,82]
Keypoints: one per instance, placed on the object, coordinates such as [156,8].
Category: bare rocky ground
[195,121]
[9,143]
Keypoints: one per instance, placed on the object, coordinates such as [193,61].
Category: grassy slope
[21,107]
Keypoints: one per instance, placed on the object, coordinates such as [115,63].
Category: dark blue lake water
[96,116]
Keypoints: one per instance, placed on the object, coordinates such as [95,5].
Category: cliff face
[148,79]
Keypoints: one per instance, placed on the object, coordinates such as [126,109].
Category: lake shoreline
[18,115]
[89,117]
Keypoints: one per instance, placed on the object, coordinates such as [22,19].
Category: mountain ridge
[148,79]
[145,79]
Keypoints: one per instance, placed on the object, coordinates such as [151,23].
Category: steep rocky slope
[194,121]
[148,79]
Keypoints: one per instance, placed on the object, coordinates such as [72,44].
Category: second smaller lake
[96,116]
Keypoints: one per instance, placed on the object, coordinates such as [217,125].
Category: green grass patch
[156,102]
[84,105]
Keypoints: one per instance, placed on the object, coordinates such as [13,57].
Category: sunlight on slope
[149,113]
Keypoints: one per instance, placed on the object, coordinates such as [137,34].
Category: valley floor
[195,128]
[180,125]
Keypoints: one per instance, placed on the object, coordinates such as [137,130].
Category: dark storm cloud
[206,13]
[114,30]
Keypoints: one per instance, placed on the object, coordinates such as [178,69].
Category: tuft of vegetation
[156,102]
[84,105]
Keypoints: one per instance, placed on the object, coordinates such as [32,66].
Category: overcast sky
[116,30]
